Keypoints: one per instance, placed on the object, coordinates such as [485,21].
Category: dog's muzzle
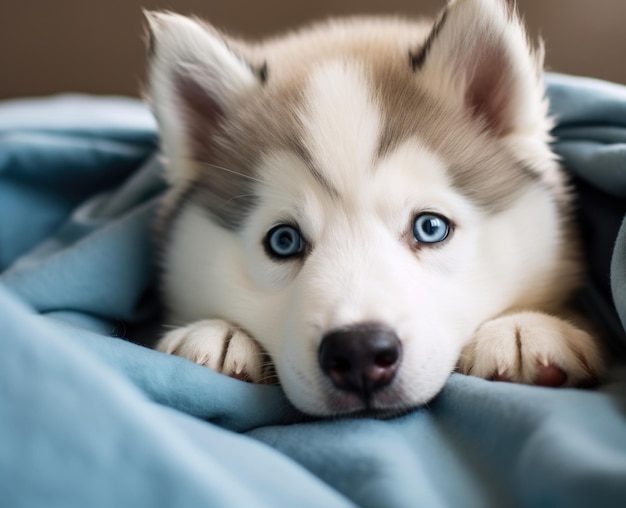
[361,359]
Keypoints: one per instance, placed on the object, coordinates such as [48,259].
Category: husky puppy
[364,206]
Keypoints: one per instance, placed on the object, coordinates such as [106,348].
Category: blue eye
[430,228]
[284,241]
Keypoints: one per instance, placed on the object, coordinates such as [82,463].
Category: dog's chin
[382,405]
[363,410]
[377,413]
[320,398]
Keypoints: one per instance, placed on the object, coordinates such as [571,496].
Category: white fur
[515,347]
[204,342]
[473,293]
[341,122]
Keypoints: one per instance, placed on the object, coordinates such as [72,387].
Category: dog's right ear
[195,80]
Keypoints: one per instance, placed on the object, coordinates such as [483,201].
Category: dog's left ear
[478,54]
[197,77]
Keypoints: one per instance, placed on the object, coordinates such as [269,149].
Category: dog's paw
[532,348]
[221,347]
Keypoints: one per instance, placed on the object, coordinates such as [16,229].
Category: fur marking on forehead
[340,123]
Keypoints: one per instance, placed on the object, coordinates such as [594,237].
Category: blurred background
[96,46]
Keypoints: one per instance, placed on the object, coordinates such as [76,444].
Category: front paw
[532,348]
[221,347]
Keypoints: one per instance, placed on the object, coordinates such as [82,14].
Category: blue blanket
[89,417]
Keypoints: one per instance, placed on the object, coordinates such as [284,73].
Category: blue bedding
[90,417]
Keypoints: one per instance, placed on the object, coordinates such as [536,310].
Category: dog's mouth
[331,401]
[379,414]
[382,405]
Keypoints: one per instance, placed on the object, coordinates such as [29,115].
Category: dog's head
[359,196]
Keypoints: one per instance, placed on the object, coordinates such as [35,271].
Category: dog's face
[359,197]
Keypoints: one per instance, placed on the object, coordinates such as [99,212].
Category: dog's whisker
[236,197]
[243,175]
[314,325]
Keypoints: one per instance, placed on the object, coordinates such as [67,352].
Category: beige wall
[95,46]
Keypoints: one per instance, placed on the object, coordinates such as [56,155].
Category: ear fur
[194,80]
[478,55]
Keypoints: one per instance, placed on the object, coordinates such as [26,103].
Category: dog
[361,207]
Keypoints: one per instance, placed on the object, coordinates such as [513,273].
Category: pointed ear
[195,80]
[478,55]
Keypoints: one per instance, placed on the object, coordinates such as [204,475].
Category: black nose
[361,358]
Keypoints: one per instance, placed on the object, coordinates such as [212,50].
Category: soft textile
[88,417]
